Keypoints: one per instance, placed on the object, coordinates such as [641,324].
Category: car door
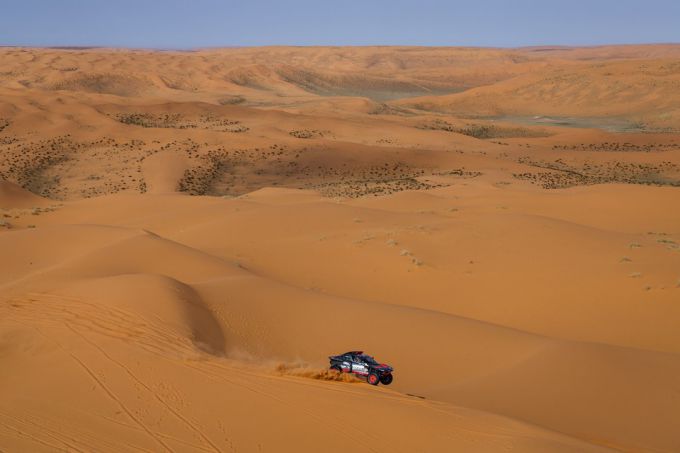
[346,364]
[359,366]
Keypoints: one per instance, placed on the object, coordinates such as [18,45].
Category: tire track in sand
[110,393]
[172,410]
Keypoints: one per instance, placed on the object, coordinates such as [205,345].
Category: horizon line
[425,46]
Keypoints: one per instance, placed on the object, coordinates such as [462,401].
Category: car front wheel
[386,379]
[373,379]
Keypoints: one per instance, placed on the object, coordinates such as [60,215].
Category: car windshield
[367,359]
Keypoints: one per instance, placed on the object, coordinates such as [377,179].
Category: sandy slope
[13,196]
[522,278]
[640,90]
[239,291]
[137,357]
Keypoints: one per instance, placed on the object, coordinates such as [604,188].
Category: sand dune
[188,235]
[639,91]
[13,196]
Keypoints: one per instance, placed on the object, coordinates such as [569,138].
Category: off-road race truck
[362,365]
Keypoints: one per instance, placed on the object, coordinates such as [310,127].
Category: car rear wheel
[386,379]
[373,379]
[336,368]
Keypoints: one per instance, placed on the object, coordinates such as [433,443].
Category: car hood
[382,366]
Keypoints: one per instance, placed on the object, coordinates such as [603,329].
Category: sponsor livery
[362,365]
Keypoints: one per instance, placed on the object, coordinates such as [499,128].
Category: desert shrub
[232,100]
[136,119]
[484,131]
[306,133]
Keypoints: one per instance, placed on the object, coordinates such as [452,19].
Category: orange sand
[187,236]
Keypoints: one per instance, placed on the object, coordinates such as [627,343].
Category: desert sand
[186,237]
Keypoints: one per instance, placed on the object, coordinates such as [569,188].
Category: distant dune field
[187,236]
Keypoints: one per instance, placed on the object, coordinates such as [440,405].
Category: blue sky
[211,23]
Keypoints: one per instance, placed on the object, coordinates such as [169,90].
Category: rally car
[362,365]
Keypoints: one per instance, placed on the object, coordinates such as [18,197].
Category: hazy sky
[204,23]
